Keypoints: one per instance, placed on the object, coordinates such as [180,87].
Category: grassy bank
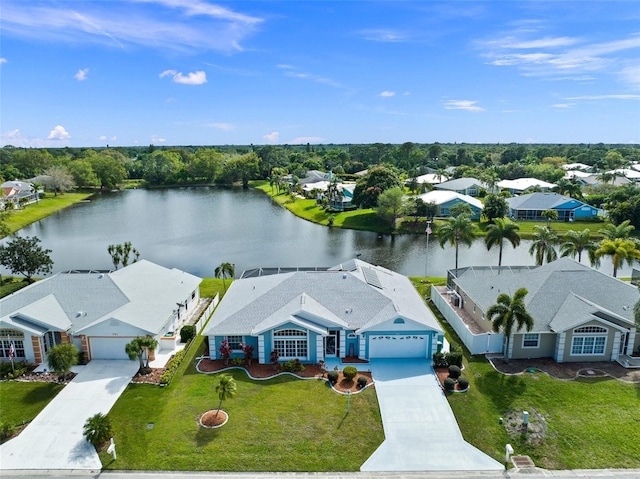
[43,208]
[23,401]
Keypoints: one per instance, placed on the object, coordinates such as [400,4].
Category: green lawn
[592,423]
[20,402]
[43,208]
[212,286]
[283,424]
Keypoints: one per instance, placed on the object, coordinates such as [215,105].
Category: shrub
[362,382]
[237,362]
[225,350]
[455,358]
[449,384]
[292,366]
[454,371]
[6,371]
[247,349]
[6,430]
[187,333]
[440,360]
[333,376]
[173,364]
[463,383]
[443,360]
[349,373]
[274,356]
[97,429]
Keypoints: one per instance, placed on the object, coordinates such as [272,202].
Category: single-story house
[313,176]
[531,206]
[464,186]
[629,173]
[429,178]
[342,198]
[579,313]
[576,166]
[444,200]
[354,309]
[516,187]
[16,192]
[99,312]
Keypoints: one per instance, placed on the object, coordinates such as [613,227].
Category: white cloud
[193,78]
[157,139]
[563,105]
[385,36]
[605,97]
[3,60]
[406,93]
[467,105]
[58,133]
[272,137]
[293,72]
[303,140]
[102,138]
[387,94]
[157,24]
[81,75]
[631,75]
[222,126]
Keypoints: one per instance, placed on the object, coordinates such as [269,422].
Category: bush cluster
[463,383]
[292,366]
[237,361]
[449,384]
[362,382]
[454,371]
[173,364]
[349,372]
[187,333]
[7,372]
[6,430]
[444,360]
[333,376]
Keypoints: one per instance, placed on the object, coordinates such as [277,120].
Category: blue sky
[199,72]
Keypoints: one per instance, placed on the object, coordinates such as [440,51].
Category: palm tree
[502,229]
[575,242]
[97,429]
[62,358]
[543,245]
[611,231]
[508,312]
[459,229]
[549,215]
[620,250]
[226,389]
[141,348]
[225,270]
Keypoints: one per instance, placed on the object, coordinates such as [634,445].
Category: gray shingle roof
[538,201]
[460,184]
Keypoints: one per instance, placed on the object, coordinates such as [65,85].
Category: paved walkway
[421,432]
[54,440]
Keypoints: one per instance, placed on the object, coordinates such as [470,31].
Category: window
[588,345]
[398,321]
[290,343]
[531,340]
[234,342]
[590,330]
[18,346]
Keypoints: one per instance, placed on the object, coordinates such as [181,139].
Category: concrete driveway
[421,432]
[54,440]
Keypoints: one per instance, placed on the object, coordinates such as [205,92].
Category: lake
[196,229]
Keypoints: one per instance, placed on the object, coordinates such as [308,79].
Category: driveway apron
[421,432]
[54,440]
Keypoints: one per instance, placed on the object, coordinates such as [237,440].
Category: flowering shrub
[225,351]
[247,349]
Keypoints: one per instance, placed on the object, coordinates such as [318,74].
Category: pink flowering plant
[225,351]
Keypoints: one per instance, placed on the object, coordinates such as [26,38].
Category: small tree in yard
[25,256]
[140,348]
[225,350]
[226,389]
[62,358]
[247,349]
[274,356]
[97,429]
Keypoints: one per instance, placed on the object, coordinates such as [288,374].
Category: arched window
[398,321]
[589,341]
[291,343]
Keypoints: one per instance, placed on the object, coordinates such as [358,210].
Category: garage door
[109,348]
[398,346]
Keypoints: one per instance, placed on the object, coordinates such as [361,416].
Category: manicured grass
[527,228]
[212,286]
[43,208]
[283,424]
[592,423]
[11,285]
[20,402]
[423,284]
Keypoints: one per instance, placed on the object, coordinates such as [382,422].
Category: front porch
[629,362]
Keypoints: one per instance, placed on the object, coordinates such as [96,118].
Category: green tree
[242,168]
[97,429]
[502,229]
[62,358]
[58,179]
[621,250]
[226,389]
[140,348]
[121,254]
[611,231]
[543,246]
[206,164]
[110,171]
[369,187]
[461,209]
[83,174]
[225,270]
[549,215]
[457,230]
[575,242]
[390,204]
[494,207]
[509,312]
[25,256]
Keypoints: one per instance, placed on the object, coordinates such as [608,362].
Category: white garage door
[109,348]
[398,346]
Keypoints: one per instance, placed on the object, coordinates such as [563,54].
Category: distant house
[99,312]
[576,166]
[429,178]
[531,206]
[342,198]
[464,186]
[313,176]
[631,174]
[354,309]
[516,187]
[579,313]
[444,200]
[17,192]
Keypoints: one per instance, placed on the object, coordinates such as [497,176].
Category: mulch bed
[45,378]
[151,378]
[442,374]
[213,418]
[567,370]
[265,371]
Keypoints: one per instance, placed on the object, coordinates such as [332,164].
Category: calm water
[196,229]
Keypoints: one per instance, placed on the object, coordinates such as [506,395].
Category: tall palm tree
[459,229]
[509,312]
[575,242]
[620,250]
[226,389]
[543,245]
[502,229]
[611,231]
[225,270]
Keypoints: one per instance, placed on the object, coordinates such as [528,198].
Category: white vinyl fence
[206,314]
[476,343]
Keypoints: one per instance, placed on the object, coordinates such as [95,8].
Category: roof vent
[344,276]
[100,276]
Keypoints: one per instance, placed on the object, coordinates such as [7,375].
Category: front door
[331,346]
